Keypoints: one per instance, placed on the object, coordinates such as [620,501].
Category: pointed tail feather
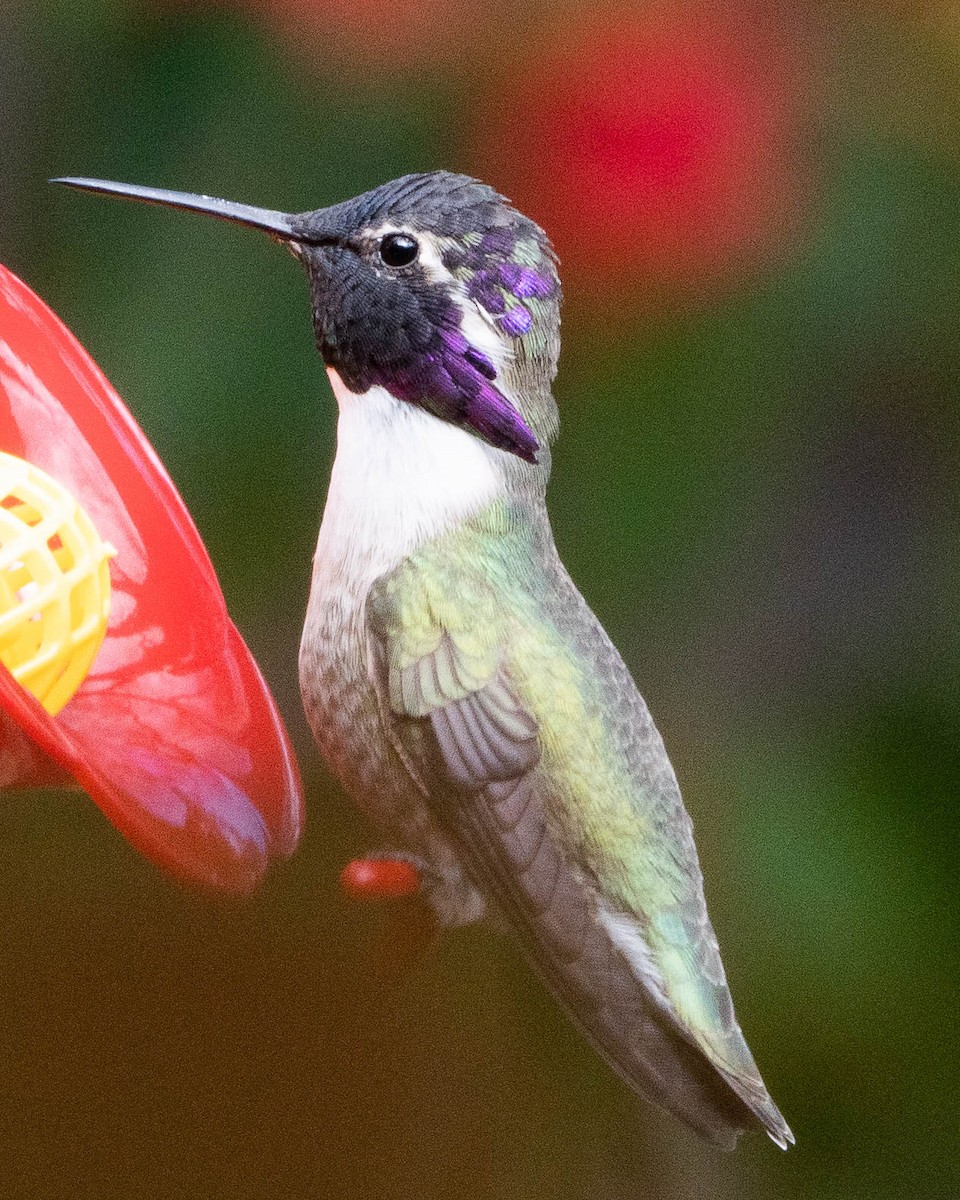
[506,839]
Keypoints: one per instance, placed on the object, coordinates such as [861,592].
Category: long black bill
[280,225]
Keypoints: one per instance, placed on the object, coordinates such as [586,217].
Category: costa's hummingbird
[455,679]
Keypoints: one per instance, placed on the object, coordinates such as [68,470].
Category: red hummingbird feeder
[120,669]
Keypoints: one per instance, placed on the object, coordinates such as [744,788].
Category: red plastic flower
[173,731]
[658,147]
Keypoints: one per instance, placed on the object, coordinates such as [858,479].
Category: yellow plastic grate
[54,584]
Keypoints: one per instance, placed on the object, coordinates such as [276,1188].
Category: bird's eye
[399,249]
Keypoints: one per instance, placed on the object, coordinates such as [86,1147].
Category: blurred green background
[758,216]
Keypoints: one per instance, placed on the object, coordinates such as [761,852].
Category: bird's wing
[457,720]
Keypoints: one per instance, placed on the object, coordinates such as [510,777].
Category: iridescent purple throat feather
[454,380]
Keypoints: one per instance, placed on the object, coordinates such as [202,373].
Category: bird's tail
[555,915]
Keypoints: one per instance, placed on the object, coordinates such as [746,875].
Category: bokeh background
[757,209]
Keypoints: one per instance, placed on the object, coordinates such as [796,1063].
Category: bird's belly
[344,714]
[341,707]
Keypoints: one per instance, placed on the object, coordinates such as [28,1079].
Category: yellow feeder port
[54,584]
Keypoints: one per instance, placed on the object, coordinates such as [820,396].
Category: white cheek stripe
[477,324]
[429,256]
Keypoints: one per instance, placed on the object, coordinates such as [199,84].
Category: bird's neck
[401,478]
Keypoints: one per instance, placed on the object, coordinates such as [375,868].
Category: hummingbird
[457,683]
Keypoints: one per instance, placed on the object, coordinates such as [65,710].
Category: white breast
[400,478]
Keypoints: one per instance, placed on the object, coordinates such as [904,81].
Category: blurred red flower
[173,732]
[658,146]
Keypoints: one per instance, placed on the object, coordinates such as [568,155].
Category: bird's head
[431,286]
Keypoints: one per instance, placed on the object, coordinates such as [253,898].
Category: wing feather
[475,753]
